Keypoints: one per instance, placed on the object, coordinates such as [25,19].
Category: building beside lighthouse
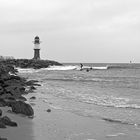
[36,48]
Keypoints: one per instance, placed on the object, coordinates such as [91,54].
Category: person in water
[81,66]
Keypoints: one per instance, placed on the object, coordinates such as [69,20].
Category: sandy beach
[62,125]
[55,125]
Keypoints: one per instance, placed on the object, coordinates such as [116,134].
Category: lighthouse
[36,48]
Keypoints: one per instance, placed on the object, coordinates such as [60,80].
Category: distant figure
[87,70]
[81,65]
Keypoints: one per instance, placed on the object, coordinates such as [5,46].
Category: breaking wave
[27,70]
[77,67]
[61,68]
[104,100]
[109,101]
[107,67]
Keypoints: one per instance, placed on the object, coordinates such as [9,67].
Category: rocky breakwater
[30,63]
[12,89]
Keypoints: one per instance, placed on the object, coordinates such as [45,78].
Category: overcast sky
[71,30]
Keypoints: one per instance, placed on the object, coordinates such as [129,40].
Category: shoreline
[59,124]
[55,125]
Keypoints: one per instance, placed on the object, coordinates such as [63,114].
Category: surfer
[81,66]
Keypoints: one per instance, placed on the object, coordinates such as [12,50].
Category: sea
[107,91]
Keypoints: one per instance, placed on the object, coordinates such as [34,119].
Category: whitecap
[70,67]
[26,70]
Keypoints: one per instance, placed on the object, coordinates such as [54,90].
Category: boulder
[32,88]
[1,90]
[31,82]
[7,121]
[33,97]
[7,96]
[21,98]
[3,138]
[0,112]
[48,110]
[11,98]
[14,90]
[22,108]
[2,102]
[15,77]
[2,125]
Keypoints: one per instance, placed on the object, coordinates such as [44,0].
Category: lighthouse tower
[36,48]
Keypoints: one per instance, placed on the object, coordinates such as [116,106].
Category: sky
[89,31]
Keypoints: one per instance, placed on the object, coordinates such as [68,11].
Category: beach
[64,125]
[80,105]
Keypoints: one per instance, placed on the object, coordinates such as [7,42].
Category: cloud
[86,25]
[121,22]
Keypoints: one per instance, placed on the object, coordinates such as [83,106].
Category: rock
[15,77]
[1,90]
[2,125]
[11,98]
[7,121]
[22,108]
[7,96]
[0,112]
[2,102]
[48,110]
[31,82]
[3,138]
[13,90]
[5,76]
[21,98]
[32,88]
[33,97]
[37,85]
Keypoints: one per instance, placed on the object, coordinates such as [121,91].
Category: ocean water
[109,92]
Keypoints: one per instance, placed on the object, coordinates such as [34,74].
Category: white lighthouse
[36,48]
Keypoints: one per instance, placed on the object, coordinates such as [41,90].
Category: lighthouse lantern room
[36,48]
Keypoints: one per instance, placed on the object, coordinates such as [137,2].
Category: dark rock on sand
[2,125]
[3,138]
[22,108]
[31,82]
[7,121]
[0,112]
[48,110]
[33,97]
[32,88]
[21,98]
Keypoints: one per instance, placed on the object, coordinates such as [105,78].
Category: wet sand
[24,129]
[63,125]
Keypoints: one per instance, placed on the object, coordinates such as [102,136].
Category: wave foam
[100,68]
[27,70]
[61,68]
